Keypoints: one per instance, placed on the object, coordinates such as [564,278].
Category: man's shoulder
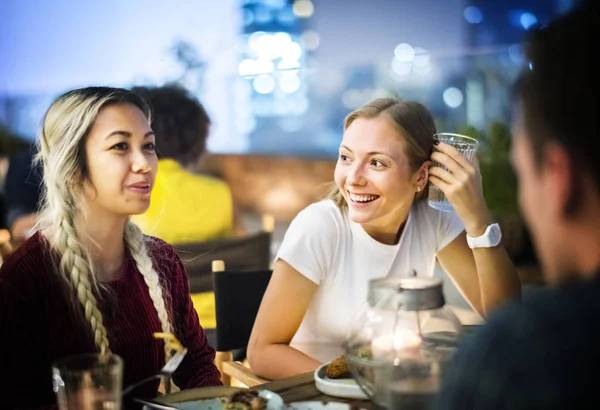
[524,336]
[540,353]
[536,319]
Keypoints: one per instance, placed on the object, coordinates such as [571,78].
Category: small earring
[418,189]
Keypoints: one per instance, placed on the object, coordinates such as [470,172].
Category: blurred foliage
[472,132]
[10,143]
[498,177]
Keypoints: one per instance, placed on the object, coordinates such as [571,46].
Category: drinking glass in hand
[88,382]
[467,146]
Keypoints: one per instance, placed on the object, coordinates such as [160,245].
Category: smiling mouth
[139,188]
[362,199]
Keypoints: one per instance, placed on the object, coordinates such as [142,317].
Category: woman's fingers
[443,175]
[438,182]
[453,155]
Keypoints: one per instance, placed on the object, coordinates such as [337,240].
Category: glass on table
[412,384]
[467,146]
[88,382]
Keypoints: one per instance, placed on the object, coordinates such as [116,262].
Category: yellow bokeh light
[303,8]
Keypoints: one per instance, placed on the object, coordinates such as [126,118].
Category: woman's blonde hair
[62,138]
[413,122]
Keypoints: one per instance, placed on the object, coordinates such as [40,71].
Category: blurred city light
[248,17]
[303,8]
[404,52]
[280,42]
[275,4]
[422,70]
[262,15]
[288,65]
[292,52]
[422,57]
[401,67]
[286,16]
[263,84]
[522,19]
[515,53]
[247,67]
[310,39]
[453,97]
[473,15]
[273,51]
[528,20]
[289,82]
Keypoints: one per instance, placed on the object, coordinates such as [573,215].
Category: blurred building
[496,30]
[277,76]
[270,92]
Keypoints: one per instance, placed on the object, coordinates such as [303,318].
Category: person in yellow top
[185,207]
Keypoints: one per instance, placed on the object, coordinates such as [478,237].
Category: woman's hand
[462,186]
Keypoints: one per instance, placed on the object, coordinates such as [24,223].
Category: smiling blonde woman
[376,223]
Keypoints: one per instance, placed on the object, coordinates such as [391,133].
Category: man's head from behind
[179,121]
[556,150]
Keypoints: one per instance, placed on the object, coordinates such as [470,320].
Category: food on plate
[172,342]
[338,369]
[364,352]
[246,399]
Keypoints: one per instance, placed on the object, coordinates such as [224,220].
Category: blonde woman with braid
[88,280]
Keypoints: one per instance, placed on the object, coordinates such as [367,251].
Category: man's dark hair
[559,90]
[179,121]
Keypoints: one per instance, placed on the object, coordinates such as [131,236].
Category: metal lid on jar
[399,293]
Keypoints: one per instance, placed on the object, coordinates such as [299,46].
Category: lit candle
[404,342]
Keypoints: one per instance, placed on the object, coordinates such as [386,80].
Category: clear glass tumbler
[466,146]
[88,382]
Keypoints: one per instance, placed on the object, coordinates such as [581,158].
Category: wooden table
[302,388]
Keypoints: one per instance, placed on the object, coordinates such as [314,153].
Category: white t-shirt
[324,245]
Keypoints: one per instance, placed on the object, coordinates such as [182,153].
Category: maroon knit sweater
[40,322]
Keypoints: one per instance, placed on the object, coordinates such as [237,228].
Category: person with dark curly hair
[185,207]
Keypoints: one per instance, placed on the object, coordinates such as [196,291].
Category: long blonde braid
[74,265]
[139,251]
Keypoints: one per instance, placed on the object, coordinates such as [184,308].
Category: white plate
[213,398]
[317,405]
[338,387]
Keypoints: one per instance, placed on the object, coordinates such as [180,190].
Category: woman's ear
[423,174]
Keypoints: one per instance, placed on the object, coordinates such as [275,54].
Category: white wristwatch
[490,238]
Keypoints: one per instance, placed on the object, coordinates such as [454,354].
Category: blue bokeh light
[522,19]
[528,20]
[473,14]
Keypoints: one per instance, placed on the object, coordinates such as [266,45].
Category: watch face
[494,234]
